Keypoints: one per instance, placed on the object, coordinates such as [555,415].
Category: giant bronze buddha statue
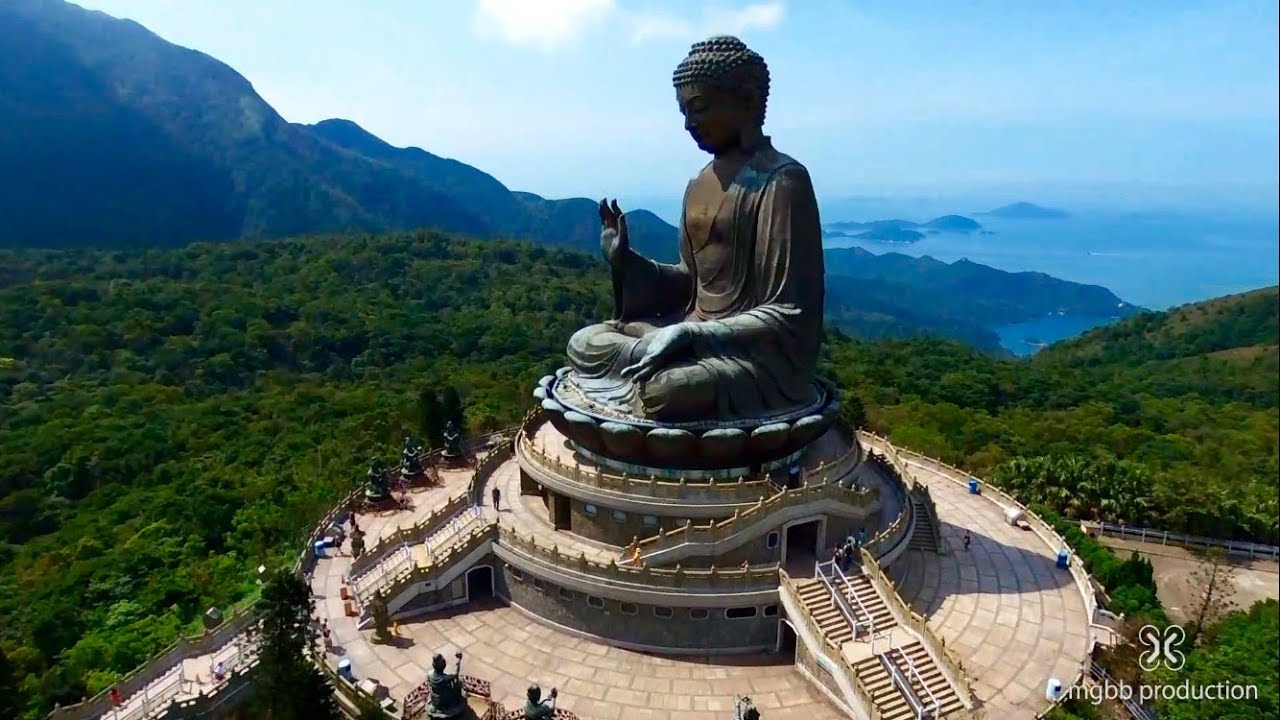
[729,334]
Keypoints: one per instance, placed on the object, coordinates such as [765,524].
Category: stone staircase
[901,650]
[917,668]
[924,536]
[420,555]
[820,605]
[927,536]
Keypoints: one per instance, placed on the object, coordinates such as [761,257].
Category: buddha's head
[722,87]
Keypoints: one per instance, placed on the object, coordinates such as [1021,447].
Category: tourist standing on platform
[496,494]
[324,632]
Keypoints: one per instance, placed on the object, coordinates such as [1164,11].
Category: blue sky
[1129,103]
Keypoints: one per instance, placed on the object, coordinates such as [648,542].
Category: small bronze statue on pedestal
[379,485]
[448,700]
[411,459]
[452,441]
[535,708]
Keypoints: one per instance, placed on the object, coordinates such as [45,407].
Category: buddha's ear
[751,100]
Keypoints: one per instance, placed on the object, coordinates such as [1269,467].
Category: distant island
[890,235]
[900,231]
[1026,211]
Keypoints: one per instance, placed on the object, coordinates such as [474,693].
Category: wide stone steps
[889,699]
[820,606]
[817,602]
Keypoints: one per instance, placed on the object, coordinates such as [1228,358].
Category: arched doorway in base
[480,583]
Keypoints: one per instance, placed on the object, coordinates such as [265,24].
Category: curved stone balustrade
[883,543]
[716,581]
[503,448]
[862,499]
[736,491]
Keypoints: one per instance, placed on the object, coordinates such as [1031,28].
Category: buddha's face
[715,118]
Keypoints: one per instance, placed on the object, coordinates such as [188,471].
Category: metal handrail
[904,687]
[1137,710]
[871,619]
[372,585]
[456,526]
[841,603]
[911,666]
[453,527]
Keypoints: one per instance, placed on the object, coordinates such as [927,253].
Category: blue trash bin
[973,487]
[344,669]
[1064,559]
[319,547]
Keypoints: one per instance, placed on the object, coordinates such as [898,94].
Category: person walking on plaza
[496,494]
[967,538]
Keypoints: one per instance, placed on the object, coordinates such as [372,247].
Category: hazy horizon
[1168,105]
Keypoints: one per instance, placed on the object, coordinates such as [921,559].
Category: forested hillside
[171,419]
[1164,419]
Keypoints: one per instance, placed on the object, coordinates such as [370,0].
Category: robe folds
[755,286]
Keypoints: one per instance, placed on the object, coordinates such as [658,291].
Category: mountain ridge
[165,145]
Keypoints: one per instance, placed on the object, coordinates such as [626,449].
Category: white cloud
[548,25]
[657,26]
[762,16]
[544,25]
[716,20]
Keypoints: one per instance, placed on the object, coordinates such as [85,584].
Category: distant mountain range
[896,295]
[111,136]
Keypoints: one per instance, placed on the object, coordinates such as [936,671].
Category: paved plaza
[1012,617]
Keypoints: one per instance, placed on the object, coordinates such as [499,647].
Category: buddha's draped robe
[759,306]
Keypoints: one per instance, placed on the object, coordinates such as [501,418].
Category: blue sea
[1155,260]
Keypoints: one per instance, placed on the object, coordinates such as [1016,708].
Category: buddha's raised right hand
[614,241]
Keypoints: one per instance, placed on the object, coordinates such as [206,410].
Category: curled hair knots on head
[726,63]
